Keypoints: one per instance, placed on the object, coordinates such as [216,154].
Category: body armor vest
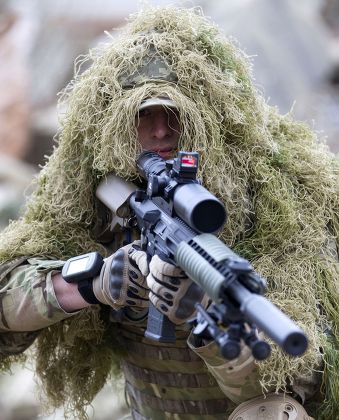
[164,381]
[168,381]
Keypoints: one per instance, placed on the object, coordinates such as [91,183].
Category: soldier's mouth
[166,153]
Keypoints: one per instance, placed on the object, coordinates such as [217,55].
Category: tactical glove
[172,292]
[122,280]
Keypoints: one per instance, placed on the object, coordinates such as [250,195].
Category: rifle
[178,219]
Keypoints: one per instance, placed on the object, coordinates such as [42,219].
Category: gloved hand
[122,280]
[172,292]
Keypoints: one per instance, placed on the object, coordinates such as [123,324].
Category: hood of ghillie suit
[279,184]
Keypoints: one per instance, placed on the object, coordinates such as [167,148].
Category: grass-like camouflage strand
[279,184]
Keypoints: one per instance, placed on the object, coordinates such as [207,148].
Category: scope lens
[208,216]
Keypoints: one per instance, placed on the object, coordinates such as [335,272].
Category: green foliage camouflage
[277,180]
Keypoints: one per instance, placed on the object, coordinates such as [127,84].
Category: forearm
[30,297]
[238,378]
[67,294]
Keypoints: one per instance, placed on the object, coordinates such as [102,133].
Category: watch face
[78,265]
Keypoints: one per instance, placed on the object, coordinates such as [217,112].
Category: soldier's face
[158,130]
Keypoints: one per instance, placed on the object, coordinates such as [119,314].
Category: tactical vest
[163,381]
[168,381]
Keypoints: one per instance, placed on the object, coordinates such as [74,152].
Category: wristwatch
[81,270]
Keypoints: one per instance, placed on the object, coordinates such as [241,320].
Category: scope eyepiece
[149,163]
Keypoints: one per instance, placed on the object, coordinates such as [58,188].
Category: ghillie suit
[279,184]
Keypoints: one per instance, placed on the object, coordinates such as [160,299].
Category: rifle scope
[175,181]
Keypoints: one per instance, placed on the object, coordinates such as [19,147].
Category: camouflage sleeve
[27,302]
[238,379]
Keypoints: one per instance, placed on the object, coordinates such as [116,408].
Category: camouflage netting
[279,183]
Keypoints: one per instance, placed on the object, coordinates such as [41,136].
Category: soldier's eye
[144,113]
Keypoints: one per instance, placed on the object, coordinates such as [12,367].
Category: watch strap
[85,288]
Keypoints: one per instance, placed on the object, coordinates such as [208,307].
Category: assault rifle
[178,219]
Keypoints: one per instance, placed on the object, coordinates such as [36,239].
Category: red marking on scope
[189,160]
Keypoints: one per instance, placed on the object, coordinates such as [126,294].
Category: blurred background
[295,52]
